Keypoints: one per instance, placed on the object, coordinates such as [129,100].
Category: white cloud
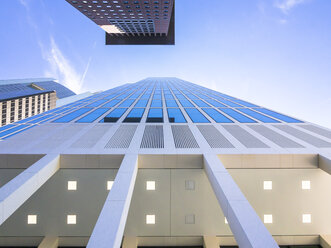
[286,5]
[61,68]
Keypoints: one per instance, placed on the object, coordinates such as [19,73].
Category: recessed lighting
[150,219]
[32,219]
[267,218]
[226,220]
[150,185]
[267,185]
[71,219]
[109,185]
[72,185]
[305,184]
[306,218]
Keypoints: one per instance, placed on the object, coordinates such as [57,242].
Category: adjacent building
[22,98]
[164,163]
[131,22]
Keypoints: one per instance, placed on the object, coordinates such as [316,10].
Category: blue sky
[276,53]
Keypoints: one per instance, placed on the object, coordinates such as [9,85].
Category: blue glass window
[155,115]
[19,131]
[171,103]
[110,96]
[71,116]
[89,118]
[169,97]
[114,115]
[112,103]
[196,115]
[176,116]
[156,103]
[192,97]
[257,115]
[6,127]
[180,96]
[127,103]
[186,103]
[217,116]
[135,115]
[12,130]
[237,116]
[246,104]
[278,115]
[214,103]
[142,103]
[157,96]
[41,118]
[200,103]
[229,103]
[29,119]
[145,96]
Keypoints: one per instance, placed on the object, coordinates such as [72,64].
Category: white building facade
[164,162]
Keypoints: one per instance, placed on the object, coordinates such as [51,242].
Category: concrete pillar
[129,242]
[109,229]
[325,241]
[324,163]
[245,224]
[22,187]
[210,242]
[49,242]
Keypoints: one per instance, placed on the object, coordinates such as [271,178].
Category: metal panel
[304,136]
[247,139]
[183,137]
[153,137]
[321,131]
[91,137]
[214,138]
[275,137]
[122,137]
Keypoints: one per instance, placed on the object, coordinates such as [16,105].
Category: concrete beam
[129,242]
[49,242]
[245,224]
[325,241]
[22,187]
[210,242]
[109,229]
[324,163]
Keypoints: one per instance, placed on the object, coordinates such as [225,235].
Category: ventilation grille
[153,137]
[303,136]
[183,137]
[244,137]
[317,130]
[275,137]
[214,138]
[91,137]
[122,137]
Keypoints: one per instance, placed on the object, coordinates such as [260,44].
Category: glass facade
[184,103]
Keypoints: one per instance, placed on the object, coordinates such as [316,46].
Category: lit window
[109,185]
[267,185]
[32,219]
[150,219]
[72,185]
[71,219]
[267,218]
[306,218]
[150,185]
[305,184]
[226,220]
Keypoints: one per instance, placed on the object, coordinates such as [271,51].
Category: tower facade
[164,162]
[131,22]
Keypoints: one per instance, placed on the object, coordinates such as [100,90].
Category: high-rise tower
[164,162]
[132,22]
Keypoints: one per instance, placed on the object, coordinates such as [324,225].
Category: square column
[109,229]
[245,224]
[14,193]
[324,162]
[49,242]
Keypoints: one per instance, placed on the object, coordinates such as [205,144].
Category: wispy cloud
[286,5]
[58,65]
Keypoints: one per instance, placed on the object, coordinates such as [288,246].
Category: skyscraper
[22,98]
[132,22]
[164,162]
